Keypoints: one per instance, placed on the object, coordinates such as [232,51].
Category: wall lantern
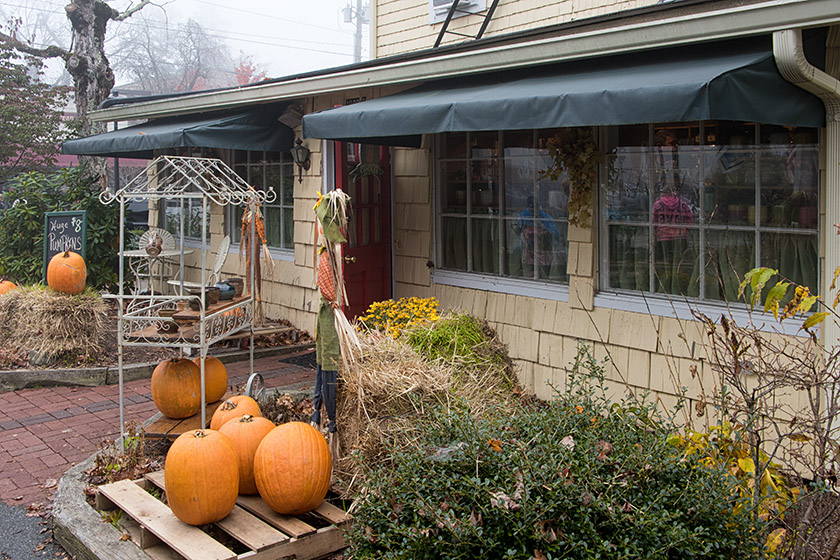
[300,155]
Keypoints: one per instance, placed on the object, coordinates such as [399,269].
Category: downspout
[791,62]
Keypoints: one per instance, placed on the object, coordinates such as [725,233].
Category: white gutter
[752,19]
[790,59]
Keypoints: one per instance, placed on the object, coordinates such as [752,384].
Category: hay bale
[382,396]
[50,326]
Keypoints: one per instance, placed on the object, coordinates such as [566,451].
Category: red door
[364,172]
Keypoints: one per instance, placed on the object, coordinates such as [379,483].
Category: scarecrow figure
[335,340]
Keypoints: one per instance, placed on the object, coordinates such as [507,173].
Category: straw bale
[50,325]
[382,396]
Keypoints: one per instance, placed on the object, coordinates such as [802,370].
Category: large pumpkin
[215,378]
[292,468]
[176,388]
[246,433]
[7,286]
[234,407]
[201,477]
[67,273]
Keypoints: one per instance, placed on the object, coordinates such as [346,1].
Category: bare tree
[85,59]
[161,58]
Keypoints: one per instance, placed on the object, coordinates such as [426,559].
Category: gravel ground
[24,537]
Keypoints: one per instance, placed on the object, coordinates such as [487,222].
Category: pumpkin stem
[66,254]
[246,418]
[228,405]
[200,434]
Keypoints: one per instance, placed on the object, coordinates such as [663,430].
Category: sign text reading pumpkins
[64,231]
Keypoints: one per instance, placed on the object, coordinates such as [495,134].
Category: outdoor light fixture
[300,154]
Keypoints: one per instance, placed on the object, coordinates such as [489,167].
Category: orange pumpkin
[201,477]
[176,388]
[246,433]
[67,273]
[7,286]
[234,407]
[292,468]
[215,378]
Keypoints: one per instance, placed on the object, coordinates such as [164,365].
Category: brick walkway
[43,432]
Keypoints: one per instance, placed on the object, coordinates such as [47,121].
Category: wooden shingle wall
[403,25]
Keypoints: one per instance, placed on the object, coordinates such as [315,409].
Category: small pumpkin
[246,433]
[292,468]
[6,286]
[234,407]
[176,388]
[67,273]
[201,477]
[215,378]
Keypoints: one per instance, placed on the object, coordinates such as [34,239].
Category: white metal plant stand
[139,316]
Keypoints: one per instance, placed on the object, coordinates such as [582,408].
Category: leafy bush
[577,478]
[32,194]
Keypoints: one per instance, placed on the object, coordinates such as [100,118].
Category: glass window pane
[485,245]
[550,253]
[729,255]
[288,186]
[453,145]
[484,144]
[454,243]
[288,228]
[273,225]
[729,195]
[235,226]
[627,194]
[485,186]
[676,264]
[519,183]
[454,187]
[629,257]
[789,184]
[793,255]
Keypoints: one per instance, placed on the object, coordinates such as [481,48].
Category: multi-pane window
[499,213]
[264,170]
[186,210]
[687,209]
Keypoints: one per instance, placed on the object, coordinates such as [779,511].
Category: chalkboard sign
[64,231]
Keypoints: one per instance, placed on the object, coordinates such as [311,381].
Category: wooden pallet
[252,531]
[170,428]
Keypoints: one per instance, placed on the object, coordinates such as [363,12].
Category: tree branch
[129,12]
[50,52]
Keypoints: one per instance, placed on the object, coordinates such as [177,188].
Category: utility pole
[358,13]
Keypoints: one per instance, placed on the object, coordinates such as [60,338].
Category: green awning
[733,80]
[255,129]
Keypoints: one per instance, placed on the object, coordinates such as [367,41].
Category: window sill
[680,308]
[498,284]
[276,254]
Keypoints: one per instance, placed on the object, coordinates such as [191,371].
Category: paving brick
[9,425]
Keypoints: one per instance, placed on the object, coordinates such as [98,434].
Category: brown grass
[52,325]
[382,398]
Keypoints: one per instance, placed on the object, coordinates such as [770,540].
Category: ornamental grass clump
[52,327]
[382,395]
[576,478]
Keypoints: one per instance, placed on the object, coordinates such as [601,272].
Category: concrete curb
[16,379]
[80,529]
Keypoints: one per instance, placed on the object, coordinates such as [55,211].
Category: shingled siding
[403,25]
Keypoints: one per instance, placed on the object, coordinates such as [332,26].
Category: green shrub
[22,225]
[576,478]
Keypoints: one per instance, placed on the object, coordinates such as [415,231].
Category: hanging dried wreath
[574,151]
